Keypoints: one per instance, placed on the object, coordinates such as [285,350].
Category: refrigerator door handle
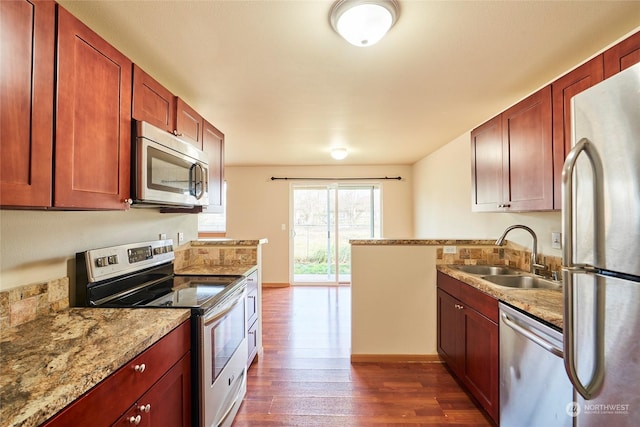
[570,268]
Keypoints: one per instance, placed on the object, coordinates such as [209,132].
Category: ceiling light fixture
[339,153]
[363,22]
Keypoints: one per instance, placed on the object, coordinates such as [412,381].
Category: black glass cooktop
[178,292]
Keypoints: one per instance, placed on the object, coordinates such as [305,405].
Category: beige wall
[37,246]
[257,206]
[442,203]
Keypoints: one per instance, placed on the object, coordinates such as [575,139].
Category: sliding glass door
[324,218]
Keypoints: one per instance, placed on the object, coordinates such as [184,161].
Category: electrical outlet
[180,237]
[556,242]
[162,236]
[449,249]
[284,227]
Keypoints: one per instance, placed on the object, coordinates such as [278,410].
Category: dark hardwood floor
[305,377]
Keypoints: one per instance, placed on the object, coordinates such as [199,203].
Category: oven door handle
[229,304]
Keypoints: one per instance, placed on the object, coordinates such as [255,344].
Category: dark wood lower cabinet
[468,340]
[167,403]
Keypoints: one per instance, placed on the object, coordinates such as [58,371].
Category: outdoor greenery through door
[325,218]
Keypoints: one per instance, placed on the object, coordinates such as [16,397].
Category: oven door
[224,360]
[172,174]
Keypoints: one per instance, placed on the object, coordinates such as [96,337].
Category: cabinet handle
[135,420]
[458,306]
[504,205]
[176,133]
[140,368]
[145,408]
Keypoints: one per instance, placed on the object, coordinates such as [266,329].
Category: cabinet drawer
[252,341]
[126,385]
[469,296]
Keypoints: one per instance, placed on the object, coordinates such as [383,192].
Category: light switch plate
[556,242]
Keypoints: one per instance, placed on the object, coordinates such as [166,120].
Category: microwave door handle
[199,182]
[196,180]
[192,185]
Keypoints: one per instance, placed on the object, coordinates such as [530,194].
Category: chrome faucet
[534,250]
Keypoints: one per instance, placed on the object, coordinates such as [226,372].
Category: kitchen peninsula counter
[49,362]
[398,277]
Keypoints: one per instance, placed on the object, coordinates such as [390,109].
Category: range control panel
[106,263]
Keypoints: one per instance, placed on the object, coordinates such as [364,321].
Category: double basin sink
[508,277]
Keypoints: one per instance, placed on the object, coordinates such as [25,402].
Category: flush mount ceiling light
[363,22]
[339,153]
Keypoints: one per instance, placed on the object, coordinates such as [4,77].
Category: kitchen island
[51,361]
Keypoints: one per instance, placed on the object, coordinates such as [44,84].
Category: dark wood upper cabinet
[528,154]
[189,124]
[486,166]
[562,90]
[155,104]
[26,102]
[213,145]
[93,120]
[622,55]
[512,158]
[152,102]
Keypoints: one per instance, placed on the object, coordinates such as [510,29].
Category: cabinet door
[27,32]
[481,360]
[213,145]
[562,90]
[486,166]
[528,154]
[449,332]
[189,123]
[622,56]
[167,403]
[93,120]
[152,102]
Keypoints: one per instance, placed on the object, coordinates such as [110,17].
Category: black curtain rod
[397,178]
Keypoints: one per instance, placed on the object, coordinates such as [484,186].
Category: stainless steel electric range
[141,275]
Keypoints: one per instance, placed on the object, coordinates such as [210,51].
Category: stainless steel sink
[522,282]
[486,269]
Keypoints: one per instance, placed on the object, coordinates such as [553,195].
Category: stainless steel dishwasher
[534,388]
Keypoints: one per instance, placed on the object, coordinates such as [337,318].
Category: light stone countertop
[49,362]
[421,242]
[545,304]
[227,242]
[216,270]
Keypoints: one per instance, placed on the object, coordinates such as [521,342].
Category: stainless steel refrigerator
[601,253]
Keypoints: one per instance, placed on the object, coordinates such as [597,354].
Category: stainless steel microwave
[166,170]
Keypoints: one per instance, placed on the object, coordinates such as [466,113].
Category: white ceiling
[285,89]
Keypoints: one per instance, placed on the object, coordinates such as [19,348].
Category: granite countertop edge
[421,242]
[48,363]
[545,304]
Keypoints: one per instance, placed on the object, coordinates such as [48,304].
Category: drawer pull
[145,408]
[140,368]
[135,420]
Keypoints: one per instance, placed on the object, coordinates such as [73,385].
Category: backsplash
[26,303]
[187,256]
[510,254]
